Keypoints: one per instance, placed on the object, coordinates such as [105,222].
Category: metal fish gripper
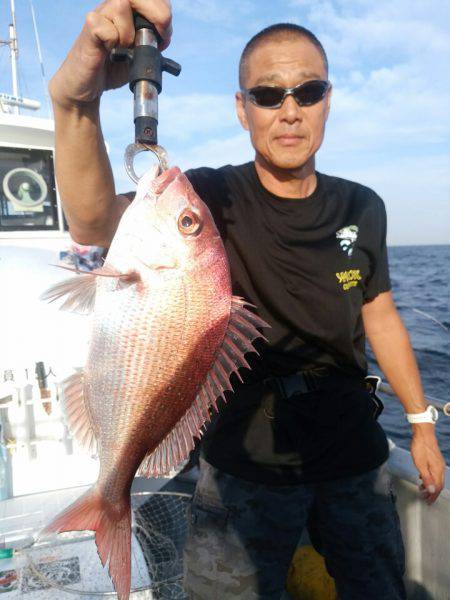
[133,149]
[146,66]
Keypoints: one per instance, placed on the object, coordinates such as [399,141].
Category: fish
[167,334]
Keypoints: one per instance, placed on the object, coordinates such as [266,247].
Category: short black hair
[279,30]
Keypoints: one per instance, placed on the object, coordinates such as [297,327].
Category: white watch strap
[430,415]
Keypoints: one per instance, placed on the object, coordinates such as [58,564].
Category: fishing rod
[145,79]
[438,404]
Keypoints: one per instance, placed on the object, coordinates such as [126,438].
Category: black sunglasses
[305,94]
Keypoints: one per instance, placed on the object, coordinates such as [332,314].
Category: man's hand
[87,71]
[429,461]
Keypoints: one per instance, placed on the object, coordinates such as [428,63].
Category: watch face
[434,413]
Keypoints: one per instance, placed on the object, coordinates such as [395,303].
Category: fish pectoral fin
[80,290]
[239,336]
[76,412]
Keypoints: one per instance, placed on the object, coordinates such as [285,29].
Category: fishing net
[68,566]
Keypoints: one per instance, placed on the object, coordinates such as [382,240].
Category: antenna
[41,62]
[14,51]
[15,100]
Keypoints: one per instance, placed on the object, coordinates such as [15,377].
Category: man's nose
[290,111]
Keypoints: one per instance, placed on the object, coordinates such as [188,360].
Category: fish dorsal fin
[76,412]
[80,290]
[176,446]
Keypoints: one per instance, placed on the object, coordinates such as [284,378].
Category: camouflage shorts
[243,535]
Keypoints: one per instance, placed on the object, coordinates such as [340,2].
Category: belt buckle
[287,386]
[298,383]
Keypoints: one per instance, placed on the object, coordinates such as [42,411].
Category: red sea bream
[167,334]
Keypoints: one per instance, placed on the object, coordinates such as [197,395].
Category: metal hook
[133,149]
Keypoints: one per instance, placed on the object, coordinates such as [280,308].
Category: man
[299,442]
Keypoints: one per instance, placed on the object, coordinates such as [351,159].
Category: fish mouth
[165,179]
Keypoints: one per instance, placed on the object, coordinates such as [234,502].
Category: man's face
[289,136]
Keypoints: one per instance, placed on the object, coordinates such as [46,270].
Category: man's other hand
[87,71]
[429,461]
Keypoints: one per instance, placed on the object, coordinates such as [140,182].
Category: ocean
[420,278]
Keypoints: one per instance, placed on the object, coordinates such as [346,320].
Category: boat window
[27,190]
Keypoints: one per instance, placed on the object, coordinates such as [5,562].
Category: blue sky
[389,126]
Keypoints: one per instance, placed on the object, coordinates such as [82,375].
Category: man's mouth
[289,139]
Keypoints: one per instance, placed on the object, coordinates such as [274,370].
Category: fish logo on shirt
[348,236]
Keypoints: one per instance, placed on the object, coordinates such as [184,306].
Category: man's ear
[240,110]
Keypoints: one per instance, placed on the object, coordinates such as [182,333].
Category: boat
[42,468]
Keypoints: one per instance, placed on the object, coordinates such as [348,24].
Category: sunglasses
[305,94]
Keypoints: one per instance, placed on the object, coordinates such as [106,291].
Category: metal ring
[133,149]
[446,409]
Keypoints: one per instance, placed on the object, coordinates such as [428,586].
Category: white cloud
[390,108]
[356,30]
[217,152]
[184,117]
[213,11]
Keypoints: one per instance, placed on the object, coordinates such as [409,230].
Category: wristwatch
[430,415]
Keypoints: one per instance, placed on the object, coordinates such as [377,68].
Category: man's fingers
[101,30]
[430,464]
[158,12]
[428,489]
[426,477]
[432,497]
[119,12]
[437,470]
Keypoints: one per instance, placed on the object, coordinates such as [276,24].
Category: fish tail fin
[112,526]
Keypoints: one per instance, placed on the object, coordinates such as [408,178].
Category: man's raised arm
[83,170]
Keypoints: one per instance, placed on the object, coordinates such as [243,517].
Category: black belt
[301,382]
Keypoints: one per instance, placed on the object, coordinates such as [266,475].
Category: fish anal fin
[76,412]
[238,339]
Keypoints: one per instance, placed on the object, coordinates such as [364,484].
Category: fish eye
[189,223]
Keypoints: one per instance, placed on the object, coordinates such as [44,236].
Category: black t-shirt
[308,265]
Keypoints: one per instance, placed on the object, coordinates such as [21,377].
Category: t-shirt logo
[348,236]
